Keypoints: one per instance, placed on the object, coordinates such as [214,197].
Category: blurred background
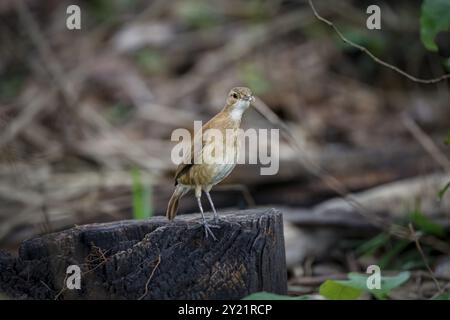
[86,118]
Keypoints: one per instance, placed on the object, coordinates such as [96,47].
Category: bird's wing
[186,165]
[182,169]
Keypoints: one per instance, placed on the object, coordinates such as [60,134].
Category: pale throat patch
[238,109]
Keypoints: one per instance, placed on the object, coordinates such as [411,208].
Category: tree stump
[153,259]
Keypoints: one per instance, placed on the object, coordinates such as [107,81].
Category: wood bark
[153,259]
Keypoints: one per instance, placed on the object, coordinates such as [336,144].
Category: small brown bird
[203,176]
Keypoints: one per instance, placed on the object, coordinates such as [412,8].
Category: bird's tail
[172,207]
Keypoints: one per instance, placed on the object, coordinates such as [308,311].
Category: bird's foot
[207,227]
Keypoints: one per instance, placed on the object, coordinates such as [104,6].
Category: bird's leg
[217,219]
[216,216]
[201,208]
[204,223]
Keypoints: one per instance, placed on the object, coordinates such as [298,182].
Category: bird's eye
[234,95]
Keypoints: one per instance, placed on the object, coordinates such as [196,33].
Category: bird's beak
[250,98]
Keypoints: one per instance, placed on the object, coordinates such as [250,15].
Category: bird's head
[240,98]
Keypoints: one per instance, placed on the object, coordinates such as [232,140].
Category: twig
[45,52]
[64,287]
[337,186]
[100,256]
[422,254]
[371,55]
[315,169]
[59,77]
[446,287]
[150,278]
[426,142]
[29,113]
[46,285]
[100,251]
[418,283]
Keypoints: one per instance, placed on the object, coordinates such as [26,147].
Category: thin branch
[339,188]
[45,52]
[372,56]
[64,287]
[101,255]
[422,254]
[426,142]
[315,169]
[46,285]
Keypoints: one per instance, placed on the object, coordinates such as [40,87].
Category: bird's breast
[222,171]
[218,159]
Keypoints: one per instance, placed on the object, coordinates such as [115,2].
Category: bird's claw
[207,227]
[208,230]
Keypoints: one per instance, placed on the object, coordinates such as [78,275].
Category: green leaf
[447,140]
[411,259]
[356,284]
[141,194]
[367,38]
[398,247]
[198,13]
[443,191]
[359,280]
[339,290]
[435,17]
[426,224]
[442,296]
[263,295]
[369,247]
[447,66]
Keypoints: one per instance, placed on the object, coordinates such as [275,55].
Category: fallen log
[152,259]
